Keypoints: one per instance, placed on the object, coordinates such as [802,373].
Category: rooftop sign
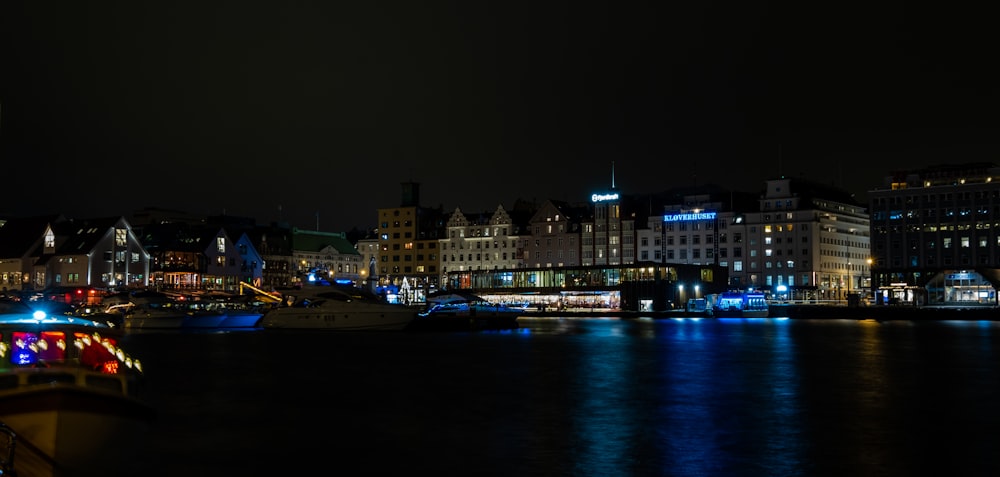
[689,217]
[603,197]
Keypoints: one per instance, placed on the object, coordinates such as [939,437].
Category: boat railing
[26,453]
[56,375]
[8,446]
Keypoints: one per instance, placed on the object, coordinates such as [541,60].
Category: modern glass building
[643,286]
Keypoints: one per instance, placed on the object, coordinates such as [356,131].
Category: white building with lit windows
[484,242]
[704,227]
[807,241]
[796,240]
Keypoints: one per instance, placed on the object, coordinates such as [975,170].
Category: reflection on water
[689,397]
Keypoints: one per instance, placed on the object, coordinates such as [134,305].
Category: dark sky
[326,107]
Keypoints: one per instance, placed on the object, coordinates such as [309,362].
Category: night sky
[249,107]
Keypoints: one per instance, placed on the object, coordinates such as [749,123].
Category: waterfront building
[608,236]
[408,239]
[634,287]
[274,243]
[267,262]
[324,256]
[19,238]
[936,236]
[93,253]
[195,257]
[795,240]
[553,238]
[53,252]
[700,225]
[807,241]
[486,241]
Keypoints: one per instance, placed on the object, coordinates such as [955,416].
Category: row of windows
[937,214]
[936,198]
[408,258]
[479,244]
[408,269]
[70,278]
[480,257]
[931,261]
[946,243]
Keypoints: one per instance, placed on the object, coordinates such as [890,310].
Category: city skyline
[326,109]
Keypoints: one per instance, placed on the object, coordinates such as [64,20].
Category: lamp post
[847,297]
[871,290]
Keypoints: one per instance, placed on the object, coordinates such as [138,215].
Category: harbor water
[578,397]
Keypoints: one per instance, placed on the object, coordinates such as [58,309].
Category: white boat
[69,400]
[337,307]
[151,315]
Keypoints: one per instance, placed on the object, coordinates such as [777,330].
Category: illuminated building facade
[485,242]
[325,255]
[608,238]
[796,240]
[936,236]
[408,256]
[807,241]
[699,231]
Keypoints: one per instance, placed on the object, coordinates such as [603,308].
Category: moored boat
[151,315]
[223,315]
[337,307]
[466,312]
[741,305]
[69,394]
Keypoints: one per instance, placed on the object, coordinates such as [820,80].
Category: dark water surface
[579,397]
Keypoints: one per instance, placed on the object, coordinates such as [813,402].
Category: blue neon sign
[689,217]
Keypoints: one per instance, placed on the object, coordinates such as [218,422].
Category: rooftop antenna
[612,175]
[780,172]
[317,221]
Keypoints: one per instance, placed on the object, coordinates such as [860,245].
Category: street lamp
[871,290]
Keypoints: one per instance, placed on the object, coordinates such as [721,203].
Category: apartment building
[484,241]
[408,241]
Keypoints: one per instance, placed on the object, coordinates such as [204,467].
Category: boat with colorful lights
[70,399]
[337,307]
[740,305]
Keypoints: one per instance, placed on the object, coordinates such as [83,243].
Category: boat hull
[722,313]
[72,431]
[460,322]
[141,320]
[338,308]
[204,320]
[358,320]
[241,320]
[467,317]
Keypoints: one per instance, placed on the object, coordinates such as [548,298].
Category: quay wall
[881,313]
